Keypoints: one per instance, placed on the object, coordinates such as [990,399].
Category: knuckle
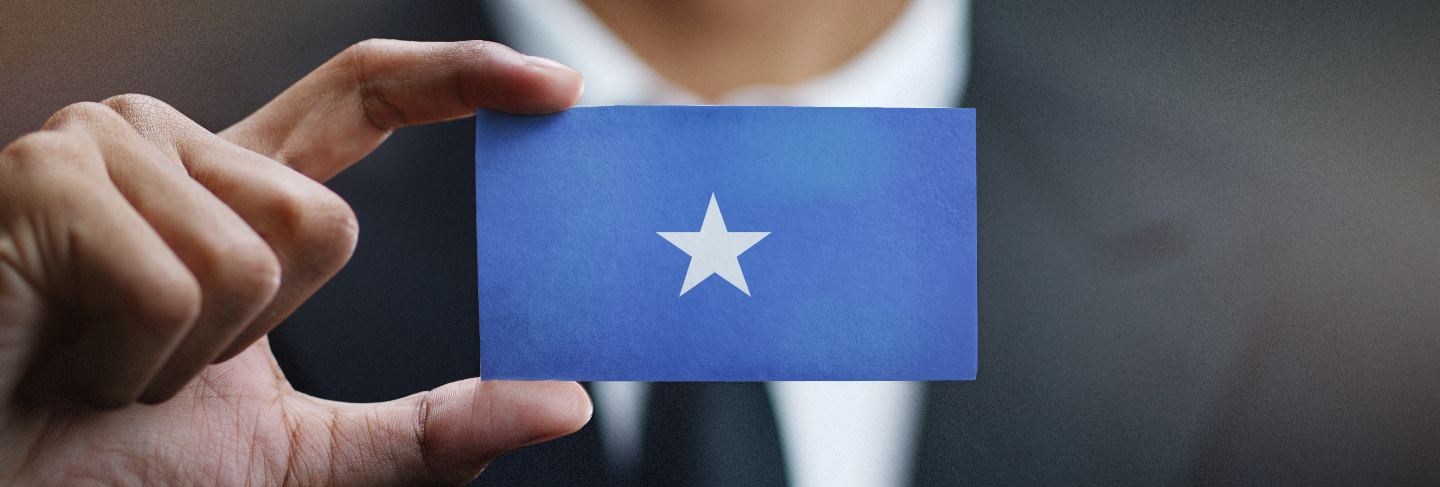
[131,105]
[83,113]
[152,118]
[49,172]
[321,227]
[245,271]
[368,52]
[169,301]
[39,145]
[49,146]
[357,62]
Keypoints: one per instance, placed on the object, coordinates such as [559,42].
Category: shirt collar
[920,61]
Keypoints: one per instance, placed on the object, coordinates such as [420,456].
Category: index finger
[341,111]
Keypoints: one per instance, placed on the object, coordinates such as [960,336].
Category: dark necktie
[710,435]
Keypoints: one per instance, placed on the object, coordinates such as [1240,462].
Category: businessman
[1205,249]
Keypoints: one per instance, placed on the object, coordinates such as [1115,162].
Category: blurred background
[1208,230]
[215,61]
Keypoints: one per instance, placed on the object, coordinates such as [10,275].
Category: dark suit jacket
[1208,239]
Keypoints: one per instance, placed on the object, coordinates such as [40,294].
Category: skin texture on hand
[143,259]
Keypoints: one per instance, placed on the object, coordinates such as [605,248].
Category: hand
[143,258]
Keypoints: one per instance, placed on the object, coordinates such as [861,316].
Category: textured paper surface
[867,272]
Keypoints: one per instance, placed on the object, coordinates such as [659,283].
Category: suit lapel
[1101,286]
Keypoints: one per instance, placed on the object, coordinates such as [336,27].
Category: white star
[713,250]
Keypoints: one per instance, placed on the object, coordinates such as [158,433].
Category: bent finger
[341,111]
[309,229]
[237,272]
[125,298]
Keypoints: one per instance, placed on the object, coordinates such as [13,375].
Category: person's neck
[713,47]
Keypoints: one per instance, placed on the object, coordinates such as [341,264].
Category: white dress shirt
[855,434]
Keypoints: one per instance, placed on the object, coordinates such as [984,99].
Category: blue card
[727,244]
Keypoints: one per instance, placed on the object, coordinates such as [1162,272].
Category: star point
[714,250]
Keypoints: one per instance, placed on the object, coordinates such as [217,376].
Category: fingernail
[551,64]
[555,66]
[547,63]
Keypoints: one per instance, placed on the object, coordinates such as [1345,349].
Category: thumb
[447,435]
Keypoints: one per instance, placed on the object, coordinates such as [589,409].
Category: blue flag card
[681,243]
